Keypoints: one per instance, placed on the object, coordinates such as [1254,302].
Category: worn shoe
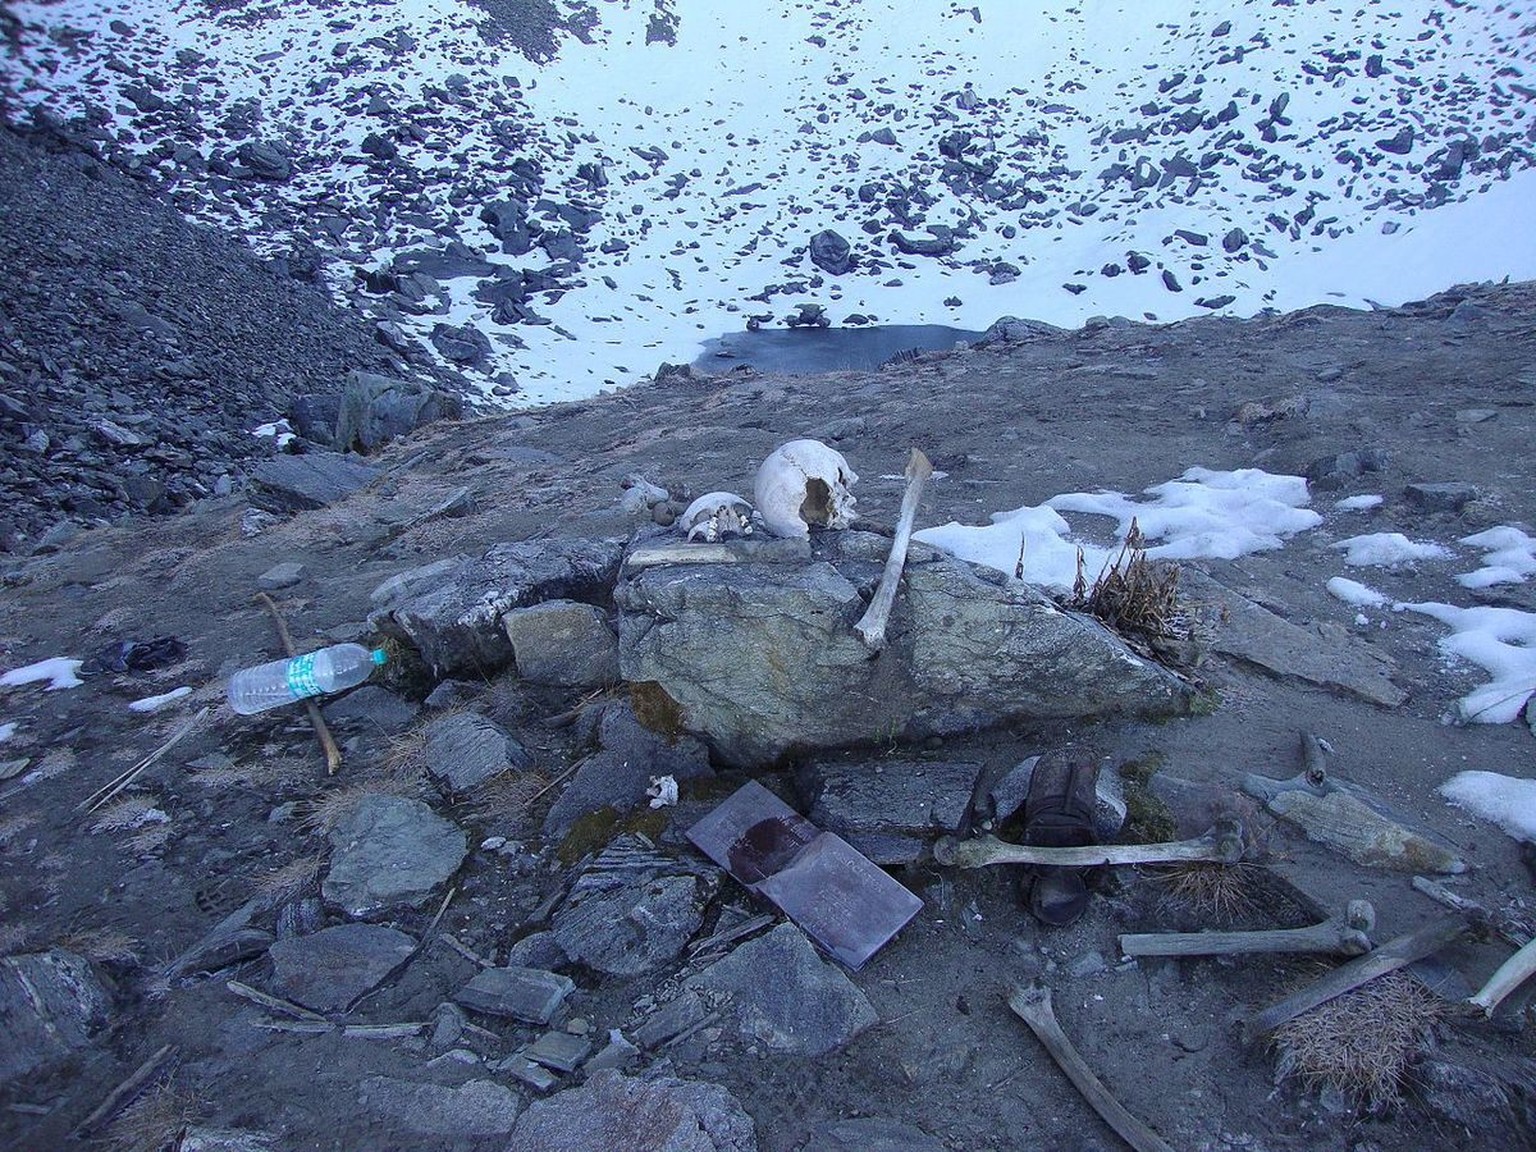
[1058,813]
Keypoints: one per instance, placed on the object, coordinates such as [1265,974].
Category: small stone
[463,750]
[525,1071]
[51,1004]
[617,1053]
[528,994]
[284,575]
[559,1050]
[476,1110]
[870,1134]
[1088,964]
[604,1114]
[1451,497]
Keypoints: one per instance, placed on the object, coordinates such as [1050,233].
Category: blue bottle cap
[379,656]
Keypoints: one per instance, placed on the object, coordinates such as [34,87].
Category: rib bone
[1032,1004]
[1511,974]
[1222,844]
[1342,935]
[871,627]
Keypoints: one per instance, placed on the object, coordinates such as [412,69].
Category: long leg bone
[871,627]
[1511,974]
[1222,844]
[1032,1004]
[1343,935]
[1392,955]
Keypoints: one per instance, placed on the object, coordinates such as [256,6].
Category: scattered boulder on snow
[831,253]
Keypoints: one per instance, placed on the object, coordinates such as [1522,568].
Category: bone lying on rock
[1510,975]
[1344,935]
[871,628]
[1222,844]
[720,552]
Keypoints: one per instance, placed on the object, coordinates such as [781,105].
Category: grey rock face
[786,997]
[313,480]
[476,1110]
[967,650]
[375,409]
[890,810]
[617,775]
[390,852]
[464,750]
[831,253]
[632,910]
[612,1112]
[454,614]
[563,643]
[371,708]
[528,994]
[51,1004]
[326,971]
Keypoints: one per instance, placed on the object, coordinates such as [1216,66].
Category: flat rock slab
[528,994]
[967,649]
[475,1110]
[890,810]
[329,969]
[612,1112]
[786,997]
[632,910]
[453,613]
[313,480]
[870,1134]
[464,750]
[371,708]
[390,852]
[1255,635]
[51,1004]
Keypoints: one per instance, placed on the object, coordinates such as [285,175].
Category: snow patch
[59,671]
[1507,801]
[1388,549]
[1509,556]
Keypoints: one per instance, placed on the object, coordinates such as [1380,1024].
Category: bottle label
[301,677]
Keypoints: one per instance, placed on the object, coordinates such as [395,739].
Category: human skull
[716,516]
[803,483]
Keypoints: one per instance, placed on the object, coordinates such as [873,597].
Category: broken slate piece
[890,810]
[632,910]
[371,708]
[464,750]
[870,1134]
[477,1110]
[559,1050]
[785,997]
[673,1018]
[612,1112]
[528,994]
[390,852]
[845,903]
[525,1071]
[313,480]
[284,575]
[51,1004]
[331,968]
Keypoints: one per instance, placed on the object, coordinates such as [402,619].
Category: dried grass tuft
[289,882]
[130,812]
[1132,594]
[322,813]
[156,1121]
[507,796]
[1218,895]
[103,945]
[12,826]
[1361,1043]
[15,937]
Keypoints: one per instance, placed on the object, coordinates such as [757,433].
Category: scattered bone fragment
[871,628]
[1509,976]
[1515,930]
[1335,813]
[1032,1004]
[1394,954]
[1345,935]
[1222,844]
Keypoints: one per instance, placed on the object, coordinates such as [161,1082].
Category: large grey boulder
[375,409]
[612,1112]
[452,611]
[763,659]
[563,643]
[476,1110]
[390,852]
[51,1004]
[328,969]
[313,480]
[786,997]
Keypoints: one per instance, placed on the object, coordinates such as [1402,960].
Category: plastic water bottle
[284,681]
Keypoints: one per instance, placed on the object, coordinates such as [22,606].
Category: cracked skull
[804,483]
[716,516]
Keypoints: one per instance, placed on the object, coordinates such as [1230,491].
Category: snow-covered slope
[655,176]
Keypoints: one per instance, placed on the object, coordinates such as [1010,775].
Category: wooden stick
[99,797]
[1032,1004]
[1391,956]
[286,1007]
[1344,935]
[1222,844]
[1514,930]
[871,627]
[123,1092]
[327,743]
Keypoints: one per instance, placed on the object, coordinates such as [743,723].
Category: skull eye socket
[816,508]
